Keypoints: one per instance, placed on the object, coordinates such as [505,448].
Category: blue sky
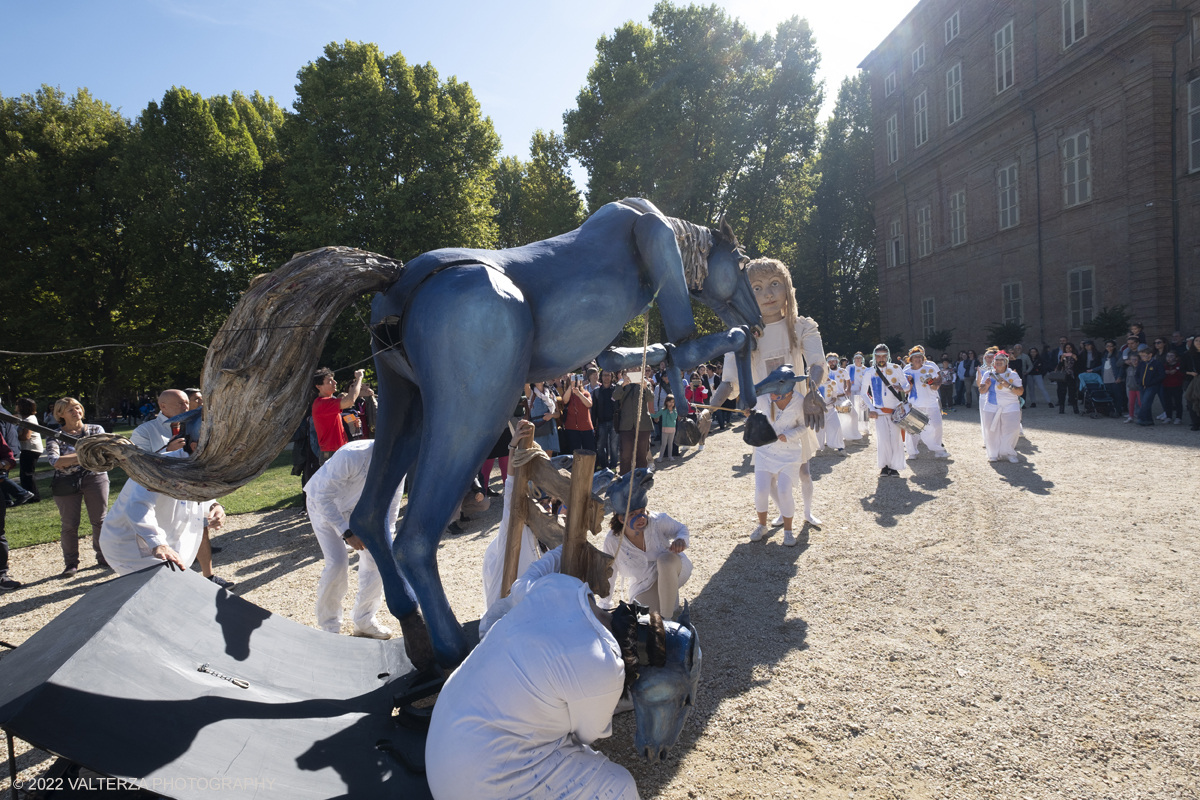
[525,61]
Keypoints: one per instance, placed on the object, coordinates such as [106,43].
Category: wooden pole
[575,555]
[517,514]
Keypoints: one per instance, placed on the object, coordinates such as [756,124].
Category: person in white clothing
[518,716]
[1000,393]
[144,528]
[833,389]
[787,339]
[858,373]
[988,355]
[924,379]
[779,461]
[155,436]
[332,493]
[887,388]
[649,549]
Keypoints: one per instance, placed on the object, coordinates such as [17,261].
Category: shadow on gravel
[894,497]
[288,536]
[86,579]
[1022,475]
[749,591]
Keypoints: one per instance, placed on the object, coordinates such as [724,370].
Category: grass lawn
[38,523]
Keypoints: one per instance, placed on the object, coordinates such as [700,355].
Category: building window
[918,58]
[1074,13]
[1081,296]
[921,118]
[952,27]
[1010,206]
[1012,311]
[928,317]
[893,139]
[1194,125]
[1004,58]
[895,244]
[1195,35]
[1077,172]
[889,85]
[954,110]
[924,231]
[958,217]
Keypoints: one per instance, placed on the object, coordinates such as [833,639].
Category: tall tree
[385,156]
[550,203]
[61,219]
[509,180]
[698,115]
[838,253]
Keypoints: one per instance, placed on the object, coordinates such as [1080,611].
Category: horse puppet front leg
[469,338]
[691,354]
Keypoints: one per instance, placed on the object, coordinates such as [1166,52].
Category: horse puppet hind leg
[397,443]
[469,338]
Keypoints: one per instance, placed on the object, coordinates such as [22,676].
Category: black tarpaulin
[113,684]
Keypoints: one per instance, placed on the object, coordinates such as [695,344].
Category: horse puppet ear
[727,234]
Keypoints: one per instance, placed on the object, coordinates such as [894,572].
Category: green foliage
[1109,323]
[895,344]
[384,156]
[1006,334]
[698,115]
[538,199]
[939,341]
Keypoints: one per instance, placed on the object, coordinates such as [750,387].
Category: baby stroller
[1096,399]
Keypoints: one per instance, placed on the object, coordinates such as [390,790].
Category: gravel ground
[968,630]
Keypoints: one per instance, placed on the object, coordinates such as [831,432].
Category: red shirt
[696,394]
[1173,375]
[327,418]
[578,416]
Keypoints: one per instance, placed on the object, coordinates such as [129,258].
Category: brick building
[1037,160]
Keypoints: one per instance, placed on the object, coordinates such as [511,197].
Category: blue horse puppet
[456,335]
[461,332]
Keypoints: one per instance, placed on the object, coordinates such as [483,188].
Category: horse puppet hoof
[417,645]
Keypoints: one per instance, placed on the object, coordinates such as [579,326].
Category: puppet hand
[678,546]
[814,411]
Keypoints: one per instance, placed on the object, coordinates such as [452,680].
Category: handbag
[66,485]
[1058,376]
[758,430]
[687,432]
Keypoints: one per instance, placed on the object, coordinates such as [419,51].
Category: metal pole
[12,764]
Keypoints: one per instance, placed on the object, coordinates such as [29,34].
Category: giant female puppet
[456,334]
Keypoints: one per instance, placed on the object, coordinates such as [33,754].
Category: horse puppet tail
[257,378]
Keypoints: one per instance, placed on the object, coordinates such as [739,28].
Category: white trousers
[858,413]
[888,446]
[1001,429]
[931,435]
[831,434]
[335,578]
[785,480]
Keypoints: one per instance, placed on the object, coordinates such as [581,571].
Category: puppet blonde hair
[763,268]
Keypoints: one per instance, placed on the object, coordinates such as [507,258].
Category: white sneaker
[788,539]
[775,523]
[941,454]
[1129,419]
[700,449]
[812,520]
[758,532]
[373,630]
[1161,417]
[1178,421]
[1013,460]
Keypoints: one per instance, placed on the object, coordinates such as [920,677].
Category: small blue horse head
[725,288]
[665,689]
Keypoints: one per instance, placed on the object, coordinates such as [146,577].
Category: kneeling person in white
[144,528]
[781,460]
[332,493]
[1000,404]
[924,380]
[649,550]
[517,718]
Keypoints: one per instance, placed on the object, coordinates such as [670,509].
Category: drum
[910,419]
[842,406]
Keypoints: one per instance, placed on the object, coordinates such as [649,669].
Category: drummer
[833,391]
[887,387]
[858,373]
[923,380]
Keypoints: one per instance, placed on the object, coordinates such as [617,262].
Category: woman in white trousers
[1000,393]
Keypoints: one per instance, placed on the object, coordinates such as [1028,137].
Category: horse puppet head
[715,268]
[665,690]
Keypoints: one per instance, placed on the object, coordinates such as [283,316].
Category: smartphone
[635,376]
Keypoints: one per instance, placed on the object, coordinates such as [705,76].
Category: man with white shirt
[154,436]
[887,391]
[923,380]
